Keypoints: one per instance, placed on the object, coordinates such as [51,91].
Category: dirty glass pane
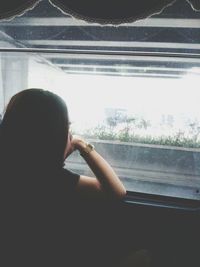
[132,90]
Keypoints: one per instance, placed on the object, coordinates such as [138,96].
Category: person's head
[34,130]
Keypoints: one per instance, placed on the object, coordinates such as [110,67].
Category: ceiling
[170,39]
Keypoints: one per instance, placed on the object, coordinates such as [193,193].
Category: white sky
[87,96]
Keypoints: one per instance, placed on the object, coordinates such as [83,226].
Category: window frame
[133,198]
[144,199]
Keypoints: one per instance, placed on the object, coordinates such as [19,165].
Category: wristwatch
[87,149]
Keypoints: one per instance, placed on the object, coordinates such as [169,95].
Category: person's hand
[78,142]
[73,143]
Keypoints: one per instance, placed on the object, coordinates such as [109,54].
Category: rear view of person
[37,192]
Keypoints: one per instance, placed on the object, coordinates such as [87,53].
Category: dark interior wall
[169,235]
[98,11]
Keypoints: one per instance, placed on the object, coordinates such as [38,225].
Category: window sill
[135,198]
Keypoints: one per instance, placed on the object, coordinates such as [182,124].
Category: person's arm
[107,182]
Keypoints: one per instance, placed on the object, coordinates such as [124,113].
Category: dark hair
[34,132]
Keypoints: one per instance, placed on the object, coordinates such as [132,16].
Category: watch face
[89,148]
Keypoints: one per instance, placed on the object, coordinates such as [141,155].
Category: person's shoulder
[68,173]
[70,178]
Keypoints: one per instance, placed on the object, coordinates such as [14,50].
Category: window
[133,90]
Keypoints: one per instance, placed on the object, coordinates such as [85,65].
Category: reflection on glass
[146,126]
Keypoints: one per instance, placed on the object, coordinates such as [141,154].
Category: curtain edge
[68,11]
[195,6]
[19,11]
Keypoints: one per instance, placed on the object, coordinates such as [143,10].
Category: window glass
[131,90]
